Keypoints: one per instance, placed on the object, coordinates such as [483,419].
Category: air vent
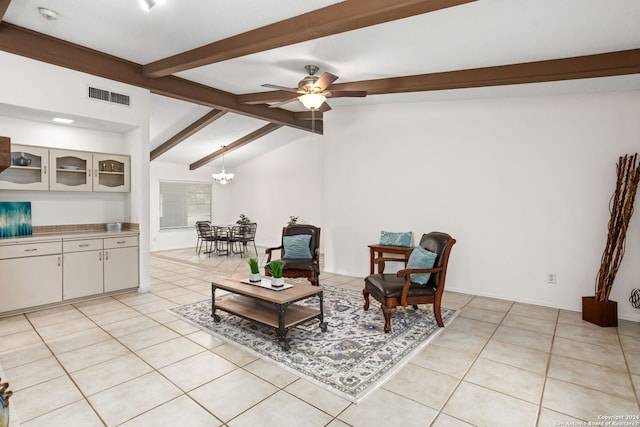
[105,95]
[95,93]
[119,98]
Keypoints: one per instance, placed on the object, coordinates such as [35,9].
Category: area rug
[351,359]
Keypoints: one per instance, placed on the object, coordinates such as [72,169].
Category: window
[184,203]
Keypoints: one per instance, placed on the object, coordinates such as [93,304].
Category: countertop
[76,235]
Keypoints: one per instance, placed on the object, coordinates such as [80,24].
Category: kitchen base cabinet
[82,274]
[30,281]
[120,263]
[61,269]
[120,269]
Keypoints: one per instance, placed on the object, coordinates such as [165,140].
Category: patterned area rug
[351,359]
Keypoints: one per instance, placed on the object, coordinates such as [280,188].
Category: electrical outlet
[551,278]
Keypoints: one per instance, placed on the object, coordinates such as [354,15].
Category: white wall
[522,184]
[37,85]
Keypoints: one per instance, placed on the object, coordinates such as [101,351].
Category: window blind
[184,203]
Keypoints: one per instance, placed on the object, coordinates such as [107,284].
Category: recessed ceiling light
[147,4]
[61,120]
[48,14]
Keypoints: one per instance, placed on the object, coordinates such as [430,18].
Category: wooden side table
[382,249]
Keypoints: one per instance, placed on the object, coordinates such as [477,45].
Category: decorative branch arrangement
[621,208]
[4,404]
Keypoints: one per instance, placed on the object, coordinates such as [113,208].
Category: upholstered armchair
[422,282]
[300,251]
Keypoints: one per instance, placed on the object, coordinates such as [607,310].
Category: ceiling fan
[313,91]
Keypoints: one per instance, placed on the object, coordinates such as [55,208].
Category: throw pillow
[297,247]
[421,258]
[388,238]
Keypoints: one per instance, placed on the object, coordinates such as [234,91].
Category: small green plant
[293,220]
[243,219]
[253,265]
[277,267]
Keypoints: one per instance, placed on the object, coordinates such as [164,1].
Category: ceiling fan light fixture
[312,101]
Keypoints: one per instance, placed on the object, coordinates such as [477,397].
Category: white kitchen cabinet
[120,263]
[94,266]
[31,275]
[28,170]
[41,168]
[111,173]
[66,268]
[70,170]
[82,273]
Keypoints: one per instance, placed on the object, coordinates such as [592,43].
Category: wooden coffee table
[271,307]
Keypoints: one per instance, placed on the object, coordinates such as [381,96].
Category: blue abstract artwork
[15,219]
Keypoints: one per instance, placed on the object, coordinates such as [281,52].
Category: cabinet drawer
[120,242]
[30,249]
[82,245]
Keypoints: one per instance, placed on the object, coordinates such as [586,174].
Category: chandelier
[222,177]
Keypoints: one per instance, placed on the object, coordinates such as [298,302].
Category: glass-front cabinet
[28,170]
[111,173]
[70,170]
[52,169]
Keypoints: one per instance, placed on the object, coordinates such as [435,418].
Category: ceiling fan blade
[346,93]
[324,107]
[288,89]
[278,104]
[325,80]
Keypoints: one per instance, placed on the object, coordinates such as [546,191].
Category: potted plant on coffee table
[254,277]
[277,267]
[599,309]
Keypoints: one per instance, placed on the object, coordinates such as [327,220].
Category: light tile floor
[125,361]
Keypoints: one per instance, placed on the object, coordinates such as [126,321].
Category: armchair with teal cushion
[411,285]
[300,251]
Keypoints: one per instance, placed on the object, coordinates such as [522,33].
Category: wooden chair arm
[406,273]
[268,252]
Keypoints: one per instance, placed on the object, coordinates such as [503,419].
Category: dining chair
[248,234]
[221,236]
[206,236]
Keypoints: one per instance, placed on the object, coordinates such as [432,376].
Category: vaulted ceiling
[205,61]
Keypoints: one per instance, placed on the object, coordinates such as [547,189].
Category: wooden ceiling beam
[30,44]
[579,67]
[264,130]
[185,133]
[337,18]
[265,97]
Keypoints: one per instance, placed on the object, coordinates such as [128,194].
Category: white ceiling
[479,34]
